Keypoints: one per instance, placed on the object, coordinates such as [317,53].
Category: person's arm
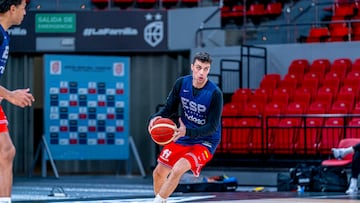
[19,97]
[214,118]
[170,110]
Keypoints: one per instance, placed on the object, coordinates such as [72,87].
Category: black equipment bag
[303,174]
[285,182]
[189,183]
[331,179]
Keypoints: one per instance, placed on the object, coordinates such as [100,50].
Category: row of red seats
[255,11]
[339,29]
[336,84]
[287,96]
[345,9]
[288,135]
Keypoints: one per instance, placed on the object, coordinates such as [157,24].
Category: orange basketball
[162,131]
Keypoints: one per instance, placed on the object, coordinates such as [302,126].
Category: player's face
[200,72]
[18,13]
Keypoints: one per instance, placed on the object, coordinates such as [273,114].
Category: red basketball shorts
[198,155]
[3,121]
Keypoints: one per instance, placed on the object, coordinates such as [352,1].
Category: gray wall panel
[183,23]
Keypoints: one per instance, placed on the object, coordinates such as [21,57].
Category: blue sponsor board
[86,110]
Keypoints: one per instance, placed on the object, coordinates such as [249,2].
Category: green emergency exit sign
[55,22]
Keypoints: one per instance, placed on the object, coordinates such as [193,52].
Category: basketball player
[340,153]
[198,132]
[12,12]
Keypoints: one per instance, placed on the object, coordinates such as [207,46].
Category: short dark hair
[203,57]
[6,4]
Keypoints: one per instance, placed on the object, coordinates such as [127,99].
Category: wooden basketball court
[128,189]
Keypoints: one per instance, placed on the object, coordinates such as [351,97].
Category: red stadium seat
[296,108]
[341,65]
[232,109]
[354,74]
[302,95]
[241,135]
[318,107]
[299,66]
[356,108]
[309,136]
[272,109]
[256,9]
[309,141]
[273,9]
[283,138]
[344,143]
[270,81]
[234,14]
[344,10]
[335,75]
[294,125]
[281,96]
[356,26]
[318,34]
[321,66]
[267,91]
[225,13]
[353,130]
[311,81]
[356,65]
[347,95]
[289,83]
[241,95]
[270,115]
[332,81]
[340,107]
[254,108]
[351,84]
[256,12]
[294,76]
[336,22]
[339,34]
[325,96]
[332,133]
[260,95]
[226,134]
[252,112]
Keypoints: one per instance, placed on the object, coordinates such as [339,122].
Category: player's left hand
[21,97]
[151,123]
[180,131]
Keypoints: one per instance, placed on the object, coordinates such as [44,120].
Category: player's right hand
[151,123]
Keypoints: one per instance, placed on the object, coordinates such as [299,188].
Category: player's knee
[177,172]
[8,153]
[156,173]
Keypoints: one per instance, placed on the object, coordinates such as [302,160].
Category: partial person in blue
[199,103]
[12,12]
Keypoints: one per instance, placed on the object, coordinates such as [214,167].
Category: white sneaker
[159,199]
[352,190]
[338,153]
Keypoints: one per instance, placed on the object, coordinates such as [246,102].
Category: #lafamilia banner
[86,110]
[91,32]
